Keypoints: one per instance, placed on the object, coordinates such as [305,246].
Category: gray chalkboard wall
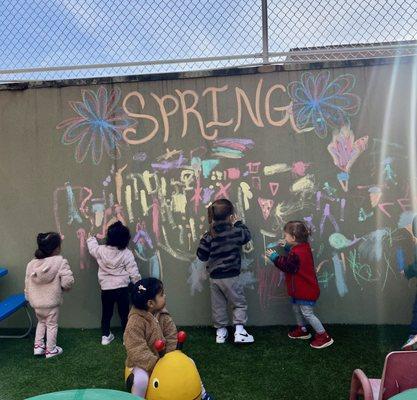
[335,147]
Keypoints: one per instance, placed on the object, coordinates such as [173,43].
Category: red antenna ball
[182,337]
[159,345]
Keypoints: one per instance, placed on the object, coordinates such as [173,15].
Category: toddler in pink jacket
[116,269]
[47,276]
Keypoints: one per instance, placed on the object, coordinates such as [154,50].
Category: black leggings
[108,298]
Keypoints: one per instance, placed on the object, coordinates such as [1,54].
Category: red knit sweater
[300,274]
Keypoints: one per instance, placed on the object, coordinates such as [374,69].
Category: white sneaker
[39,350]
[221,335]
[243,337]
[105,340]
[410,343]
[55,352]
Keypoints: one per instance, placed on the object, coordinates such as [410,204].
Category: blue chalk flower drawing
[100,123]
[319,102]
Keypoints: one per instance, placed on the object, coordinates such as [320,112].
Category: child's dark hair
[299,230]
[145,290]
[118,236]
[47,243]
[220,210]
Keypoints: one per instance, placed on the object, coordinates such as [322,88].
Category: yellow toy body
[175,377]
[128,373]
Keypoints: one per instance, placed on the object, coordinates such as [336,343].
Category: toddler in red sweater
[296,261]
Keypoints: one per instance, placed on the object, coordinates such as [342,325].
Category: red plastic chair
[399,374]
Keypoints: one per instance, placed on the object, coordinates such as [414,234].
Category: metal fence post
[265,46]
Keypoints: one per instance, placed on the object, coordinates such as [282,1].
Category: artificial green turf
[274,367]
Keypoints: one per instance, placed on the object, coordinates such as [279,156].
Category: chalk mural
[99,124]
[323,104]
[163,194]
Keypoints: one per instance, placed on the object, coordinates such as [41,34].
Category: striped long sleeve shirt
[223,249]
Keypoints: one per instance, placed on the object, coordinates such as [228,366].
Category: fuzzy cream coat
[45,281]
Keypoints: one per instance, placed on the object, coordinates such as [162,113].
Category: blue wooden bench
[12,304]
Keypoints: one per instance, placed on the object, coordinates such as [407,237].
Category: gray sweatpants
[228,291]
[306,313]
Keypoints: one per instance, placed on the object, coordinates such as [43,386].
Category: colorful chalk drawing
[100,123]
[345,151]
[322,103]
[232,148]
[163,194]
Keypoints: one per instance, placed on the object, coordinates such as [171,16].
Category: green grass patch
[274,367]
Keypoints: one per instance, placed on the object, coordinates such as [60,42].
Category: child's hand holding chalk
[269,252]
[271,255]
[234,218]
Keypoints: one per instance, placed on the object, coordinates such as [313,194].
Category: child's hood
[111,257]
[46,269]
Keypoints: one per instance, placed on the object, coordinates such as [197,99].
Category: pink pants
[47,325]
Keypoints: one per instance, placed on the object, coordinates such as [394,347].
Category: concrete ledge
[206,73]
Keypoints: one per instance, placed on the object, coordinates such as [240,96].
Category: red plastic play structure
[399,375]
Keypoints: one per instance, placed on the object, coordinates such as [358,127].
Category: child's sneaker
[221,335]
[410,344]
[321,340]
[299,333]
[243,337]
[55,352]
[105,340]
[39,350]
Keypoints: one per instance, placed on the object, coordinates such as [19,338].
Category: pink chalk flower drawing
[99,124]
[319,102]
[345,151]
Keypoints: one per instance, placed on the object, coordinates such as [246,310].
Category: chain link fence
[47,39]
